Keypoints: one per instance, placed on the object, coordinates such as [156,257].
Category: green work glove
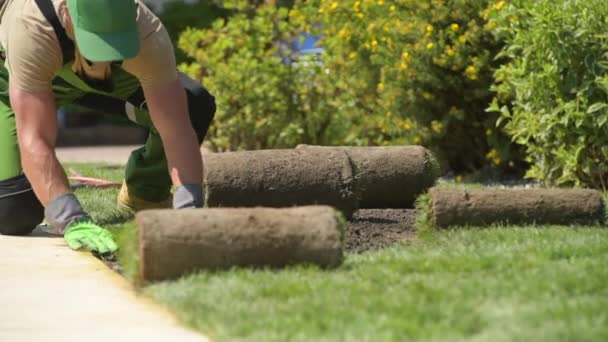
[90,236]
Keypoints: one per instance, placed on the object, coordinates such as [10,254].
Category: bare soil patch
[372,229]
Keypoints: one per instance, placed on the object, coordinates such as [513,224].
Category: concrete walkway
[96,154]
[99,154]
[51,293]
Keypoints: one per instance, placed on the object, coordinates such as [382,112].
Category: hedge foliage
[401,72]
[266,97]
[420,72]
[553,91]
[484,84]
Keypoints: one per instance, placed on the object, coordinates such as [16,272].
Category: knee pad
[20,209]
[201,105]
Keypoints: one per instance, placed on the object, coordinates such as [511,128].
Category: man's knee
[20,210]
[201,105]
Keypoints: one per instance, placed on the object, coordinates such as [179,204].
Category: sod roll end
[487,206]
[176,242]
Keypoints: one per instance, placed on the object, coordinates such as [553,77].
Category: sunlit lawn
[494,284]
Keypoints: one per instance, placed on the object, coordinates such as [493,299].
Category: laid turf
[493,284]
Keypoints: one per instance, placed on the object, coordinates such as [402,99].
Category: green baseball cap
[105,30]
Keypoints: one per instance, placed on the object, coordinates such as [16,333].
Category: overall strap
[48,10]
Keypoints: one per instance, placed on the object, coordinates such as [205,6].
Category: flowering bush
[417,71]
[398,72]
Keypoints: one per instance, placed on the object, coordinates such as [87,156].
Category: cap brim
[107,47]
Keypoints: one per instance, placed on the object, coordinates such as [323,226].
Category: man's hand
[87,235]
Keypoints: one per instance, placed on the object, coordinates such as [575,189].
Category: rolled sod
[279,178]
[389,176]
[176,242]
[480,207]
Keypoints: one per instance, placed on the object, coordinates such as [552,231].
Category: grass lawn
[493,284]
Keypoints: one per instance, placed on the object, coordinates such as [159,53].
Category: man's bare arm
[36,119]
[169,112]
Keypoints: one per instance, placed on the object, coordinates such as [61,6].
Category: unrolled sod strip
[173,243]
[389,176]
[486,206]
[280,178]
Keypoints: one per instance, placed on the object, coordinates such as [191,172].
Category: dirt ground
[372,229]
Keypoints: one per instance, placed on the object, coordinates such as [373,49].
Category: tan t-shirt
[33,54]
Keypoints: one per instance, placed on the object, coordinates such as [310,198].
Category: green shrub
[553,92]
[263,100]
[177,16]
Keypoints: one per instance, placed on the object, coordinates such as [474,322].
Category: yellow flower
[407,124]
[462,39]
[333,5]
[497,6]
[429,28]
[454,27]
[380,2]
[344,33]
[352,55]
[374,43]
[485,14]
[417,139]
[430,45]
[356,5]
[471,69]
[437,126]
[450,52]
[392,8]
[403,65]
[389,115]
[380,86]
[492,154]
[359,15]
